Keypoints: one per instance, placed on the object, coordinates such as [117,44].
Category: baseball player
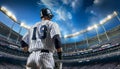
[42,40]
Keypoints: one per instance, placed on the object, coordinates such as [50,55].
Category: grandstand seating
[76,54]
[5,32]
[97,66]
[113,34]
[106,63]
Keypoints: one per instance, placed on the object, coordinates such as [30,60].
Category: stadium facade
[101,55]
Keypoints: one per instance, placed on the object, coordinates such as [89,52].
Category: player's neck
[45,18]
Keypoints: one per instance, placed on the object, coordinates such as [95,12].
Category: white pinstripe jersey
[40,35]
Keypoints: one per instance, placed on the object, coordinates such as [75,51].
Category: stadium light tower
[8,13]
[95,27]
[109,17]
[75,47]
[13,18]
[86,37]
[22,24]
[104,30]
[18,35]
[118,17]
[90,28]
[10,31]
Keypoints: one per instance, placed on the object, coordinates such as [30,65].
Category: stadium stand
[11,55]
[105,55]
[113,34]
[4,33]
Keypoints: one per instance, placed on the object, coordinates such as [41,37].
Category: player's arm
[55,35]
[25,42]
[57,42]
[24,46]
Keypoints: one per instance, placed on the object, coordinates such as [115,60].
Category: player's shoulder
[36,24]
[53,23]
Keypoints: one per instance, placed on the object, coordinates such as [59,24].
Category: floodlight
[27,27]
[22,24]
[115,13]
[101,22]
[77,33]
[3,8]
[14,18]
[8,13]
[109,16]
[90,28]
[95,26]
[65,36]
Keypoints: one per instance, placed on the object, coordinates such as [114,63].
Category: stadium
[99,51]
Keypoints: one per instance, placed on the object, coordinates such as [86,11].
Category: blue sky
[71,15]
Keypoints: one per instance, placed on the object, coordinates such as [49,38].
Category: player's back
[41,35]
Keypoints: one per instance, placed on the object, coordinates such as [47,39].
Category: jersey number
[34,33]
[42,34]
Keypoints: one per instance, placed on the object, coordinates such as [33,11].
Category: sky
[71,15]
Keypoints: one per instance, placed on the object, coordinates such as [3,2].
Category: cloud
[104,7]
[69,15]
[74,30]
[101,8]
[58,9]
[48,3]
[97,1]
[73,3]
[93,13]
[62,14]
[65,2]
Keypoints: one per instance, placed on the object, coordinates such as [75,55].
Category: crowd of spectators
[111,48]
[5,65]
[113,65]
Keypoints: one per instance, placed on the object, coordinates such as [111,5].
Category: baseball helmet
[45,12]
